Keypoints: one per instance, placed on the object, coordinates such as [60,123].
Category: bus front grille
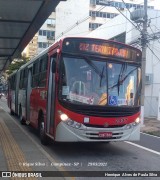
[95,136]
[102,111]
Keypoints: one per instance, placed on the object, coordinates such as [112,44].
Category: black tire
[11,112]
[42,134]
[22,121]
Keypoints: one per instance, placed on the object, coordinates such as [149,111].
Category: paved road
[119,156]
[150,142]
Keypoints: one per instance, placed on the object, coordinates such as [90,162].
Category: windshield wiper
[94,67]
[120,81]
[101,76]
[127,75]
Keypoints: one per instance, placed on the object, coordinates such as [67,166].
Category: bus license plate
[105,134]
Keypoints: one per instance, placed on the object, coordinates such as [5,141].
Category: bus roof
[60,42]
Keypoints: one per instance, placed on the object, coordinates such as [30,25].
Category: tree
[16,64]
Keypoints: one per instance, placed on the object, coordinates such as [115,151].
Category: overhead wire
[77,23]
[154,55]
[152,48]
[131,15]
[102,7]
[128,20]
[154,17]
[80,21]
[154,35]
[149,26]
[126,7]
[129,12]
[100,28]
[156,27]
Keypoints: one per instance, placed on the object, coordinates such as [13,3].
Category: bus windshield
[97,82]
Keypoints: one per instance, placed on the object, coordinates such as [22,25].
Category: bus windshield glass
[97,82]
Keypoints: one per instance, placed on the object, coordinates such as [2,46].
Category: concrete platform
[19,153]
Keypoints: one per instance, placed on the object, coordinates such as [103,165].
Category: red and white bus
[80,89]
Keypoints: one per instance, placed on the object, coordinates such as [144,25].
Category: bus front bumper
[66,133]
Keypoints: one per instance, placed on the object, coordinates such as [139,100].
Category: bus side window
[12,82]
[43,71]
[21,79]
[35,77]
[25,77]
[54,65]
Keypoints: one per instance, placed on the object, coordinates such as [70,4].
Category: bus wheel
[42,134]
[11,112]
[22,121]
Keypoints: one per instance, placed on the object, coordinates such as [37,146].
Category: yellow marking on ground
[13,154]
[52,160]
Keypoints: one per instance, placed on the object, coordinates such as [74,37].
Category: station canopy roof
[19,21]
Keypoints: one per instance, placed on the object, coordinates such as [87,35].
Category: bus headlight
[135,123]
[69,121]
[64,117]
[137,120]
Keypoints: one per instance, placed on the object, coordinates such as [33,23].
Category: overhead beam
[9,37]
[32,27]
[47,7]
[14,21]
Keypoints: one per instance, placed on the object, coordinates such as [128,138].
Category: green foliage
[16,65]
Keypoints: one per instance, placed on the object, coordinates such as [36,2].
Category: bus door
[51,98]
[29,89]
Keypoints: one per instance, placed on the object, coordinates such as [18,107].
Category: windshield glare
[96,82]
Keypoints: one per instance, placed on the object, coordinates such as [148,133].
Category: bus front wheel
[11,112]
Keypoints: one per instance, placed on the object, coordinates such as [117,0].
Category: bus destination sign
[101,47]
[104,49]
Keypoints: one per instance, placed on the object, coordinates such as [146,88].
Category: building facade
[42,39]
[74,18]
[31,49]
[46,34]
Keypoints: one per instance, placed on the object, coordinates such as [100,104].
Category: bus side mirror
[53,66]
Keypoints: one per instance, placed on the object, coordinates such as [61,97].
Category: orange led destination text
[104,49]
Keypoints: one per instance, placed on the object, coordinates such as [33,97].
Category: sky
[156,3]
